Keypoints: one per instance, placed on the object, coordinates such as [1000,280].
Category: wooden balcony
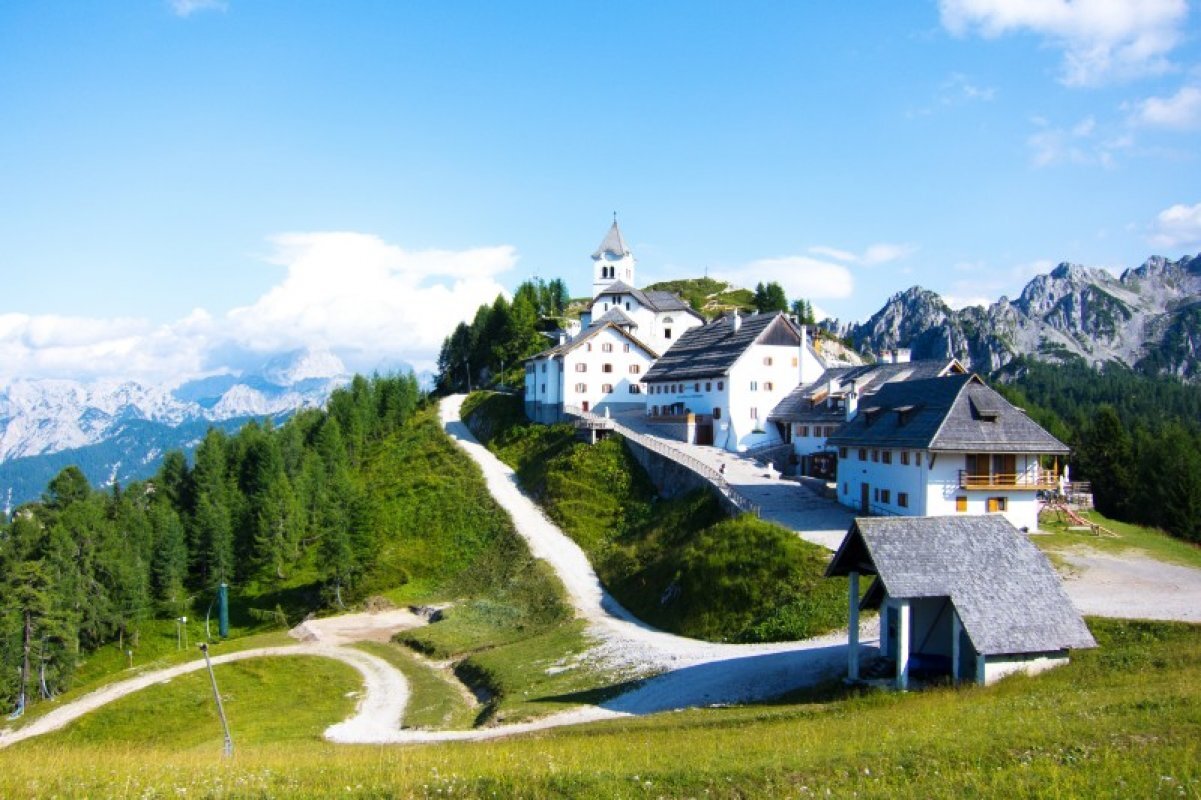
[1008,480]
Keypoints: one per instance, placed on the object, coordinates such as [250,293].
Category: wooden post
[956,627]
[853,627]
[25,666]
[903,646]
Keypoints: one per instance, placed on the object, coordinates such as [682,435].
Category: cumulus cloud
[1178,226]
[186,8]
[1181,111]
[1084,142]
[368,301]
[800,276]
[1101,40]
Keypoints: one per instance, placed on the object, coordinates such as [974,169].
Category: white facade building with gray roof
[971,598]
[945,446]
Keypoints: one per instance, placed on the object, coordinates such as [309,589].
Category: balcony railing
[1008,480]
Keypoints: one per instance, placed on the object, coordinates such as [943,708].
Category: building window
[767,386]
[667,333]
[544,388]
[794,361]
[885,496]
[581,367]
[606,388]
[581,387]
[607,347]
[721,385]
[961,504]
[842,452]
[588,347]
[754,386]
[767,361]
[844,487]
[635,389]
[606,367]
[625,348]
[544,366]
[904,458]
[627,305]
[708,386]
[876,494]
[996,504]
[716,412]
[918,457]
[754,413]
[802,430]
[863,454]
[903,499]
[875,455]
[696,387]
[887,456]
[635,369]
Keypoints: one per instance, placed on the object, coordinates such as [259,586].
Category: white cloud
[186,8]
[365,299]
[1182,110]
[1102,40]
[1178,226]
[879,253]
[1084,142]
[800,276]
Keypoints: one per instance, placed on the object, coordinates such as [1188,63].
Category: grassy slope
[1121,721]
[679,564]
[708,296]
[1154,543]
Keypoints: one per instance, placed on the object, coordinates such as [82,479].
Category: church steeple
[612,261]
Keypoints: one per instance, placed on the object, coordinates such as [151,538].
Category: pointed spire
[613,243]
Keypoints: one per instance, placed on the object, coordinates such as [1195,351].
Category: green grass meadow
[1122,721]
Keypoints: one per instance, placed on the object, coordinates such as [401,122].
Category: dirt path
[1131,585]
[627,642]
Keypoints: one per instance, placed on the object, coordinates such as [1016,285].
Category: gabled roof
[613,244]
[1006,592]
[945,414]
[617,317]
[710,350]
[588,333]
[655,300]
[806,403]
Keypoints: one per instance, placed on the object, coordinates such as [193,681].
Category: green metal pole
[223,610]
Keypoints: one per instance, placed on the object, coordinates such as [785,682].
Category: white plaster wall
[623,271]
[593,356]
[997,667]
[896,477]
[943,488]
[784,376]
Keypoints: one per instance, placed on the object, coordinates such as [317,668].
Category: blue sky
[193,184]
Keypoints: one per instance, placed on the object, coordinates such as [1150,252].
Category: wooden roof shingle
[1004,589]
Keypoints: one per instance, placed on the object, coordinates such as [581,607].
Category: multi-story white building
[813,412]
[600,369]
[719,382]
[656,317]
[945,446]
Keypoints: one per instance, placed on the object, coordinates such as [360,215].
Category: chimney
[852,402]
[562,337]
[736,321]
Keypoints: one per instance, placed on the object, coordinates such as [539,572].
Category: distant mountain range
[119,430]
[1148,319]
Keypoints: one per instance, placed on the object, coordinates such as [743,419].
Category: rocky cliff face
[1149,319]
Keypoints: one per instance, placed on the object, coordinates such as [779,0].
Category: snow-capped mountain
[38,417]
[119,430]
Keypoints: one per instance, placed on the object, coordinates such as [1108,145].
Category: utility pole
[229,742]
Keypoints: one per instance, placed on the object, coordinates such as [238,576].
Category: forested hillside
[285,516]
[1137,439]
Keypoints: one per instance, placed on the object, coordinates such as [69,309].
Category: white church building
[601,366]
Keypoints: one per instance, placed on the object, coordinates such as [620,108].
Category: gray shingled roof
[710,350]
[799,406]
[613,243]
[1006,592]
[616,316]
[654,300]
[588,333]
[956,413]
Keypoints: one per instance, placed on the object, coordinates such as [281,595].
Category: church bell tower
[612,261]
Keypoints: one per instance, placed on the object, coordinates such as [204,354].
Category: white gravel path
[1131,585]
